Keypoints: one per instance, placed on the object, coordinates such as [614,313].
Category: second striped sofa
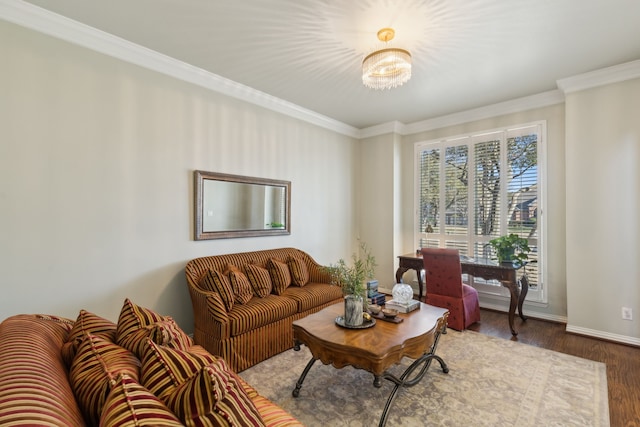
[58,372]
[244,304]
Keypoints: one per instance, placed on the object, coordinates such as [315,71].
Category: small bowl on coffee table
[389,313]
[374,309]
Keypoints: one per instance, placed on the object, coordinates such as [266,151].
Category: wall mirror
[228,206]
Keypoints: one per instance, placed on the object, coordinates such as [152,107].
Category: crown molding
[543,99]
[35,18]
[604,76]
[383,129]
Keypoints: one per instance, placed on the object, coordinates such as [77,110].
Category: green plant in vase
[352,280]
[511,248]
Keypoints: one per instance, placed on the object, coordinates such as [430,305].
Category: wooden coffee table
[374,349]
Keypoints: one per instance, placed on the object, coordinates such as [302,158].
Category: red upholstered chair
[445,288]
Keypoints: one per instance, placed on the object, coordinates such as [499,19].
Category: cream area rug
[491,382]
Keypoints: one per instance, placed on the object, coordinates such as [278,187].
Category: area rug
[491,382]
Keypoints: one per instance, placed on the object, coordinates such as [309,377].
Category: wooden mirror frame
[200,178]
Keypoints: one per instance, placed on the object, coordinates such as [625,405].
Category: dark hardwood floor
[623,361]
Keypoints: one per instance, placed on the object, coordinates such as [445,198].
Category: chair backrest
[443,272]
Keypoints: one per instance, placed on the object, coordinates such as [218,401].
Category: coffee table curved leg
[296,391]
[424,362]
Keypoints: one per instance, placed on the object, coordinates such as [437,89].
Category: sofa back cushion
[197,267]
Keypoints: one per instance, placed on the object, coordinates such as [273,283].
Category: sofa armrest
[34,383]
[209,312]
[317,272]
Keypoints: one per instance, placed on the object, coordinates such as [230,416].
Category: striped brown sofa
[247,326]
[36,383]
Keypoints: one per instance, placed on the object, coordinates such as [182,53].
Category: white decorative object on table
[402,293]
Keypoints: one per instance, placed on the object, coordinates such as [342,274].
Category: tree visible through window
[474,188]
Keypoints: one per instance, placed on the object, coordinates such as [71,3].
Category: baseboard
[527,312]
[623,339]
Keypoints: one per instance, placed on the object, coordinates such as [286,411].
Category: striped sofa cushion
[133,317]
[96,365]
[215,281]
[280,275]
[166,332]
[129,404]
[313,295]
[240,284]
[87,323]
[299,271]
[163,368]
[214,397]
[259,279]
[260,312]
[34,388]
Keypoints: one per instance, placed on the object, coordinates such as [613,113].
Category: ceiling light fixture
[386,68]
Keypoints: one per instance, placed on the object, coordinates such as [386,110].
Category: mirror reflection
[240,206]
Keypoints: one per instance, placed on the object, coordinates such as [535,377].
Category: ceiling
[466,53]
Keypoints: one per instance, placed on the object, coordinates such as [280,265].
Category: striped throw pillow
[164,368]
[215,281]
[96,364]
[87,323]
[133,317]
[242,289]
[259,279]
[280,276]
[166,332]
[214,397]
[299,271]
[129,404]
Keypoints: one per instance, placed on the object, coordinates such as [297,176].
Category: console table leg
[513,302]
[524,288]
[296,391]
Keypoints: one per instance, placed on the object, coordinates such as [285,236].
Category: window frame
[540,293]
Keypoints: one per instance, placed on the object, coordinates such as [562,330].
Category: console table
[487,269]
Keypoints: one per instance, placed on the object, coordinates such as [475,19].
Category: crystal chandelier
[386,68]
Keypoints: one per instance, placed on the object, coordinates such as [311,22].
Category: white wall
[603,202]
[377,205]
[96,179]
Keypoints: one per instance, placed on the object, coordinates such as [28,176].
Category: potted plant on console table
[352,280]
[511,248]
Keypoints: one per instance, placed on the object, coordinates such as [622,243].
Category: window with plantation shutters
[473,188]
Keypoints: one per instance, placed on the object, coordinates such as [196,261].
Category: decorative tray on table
[381,316]
[365,323]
